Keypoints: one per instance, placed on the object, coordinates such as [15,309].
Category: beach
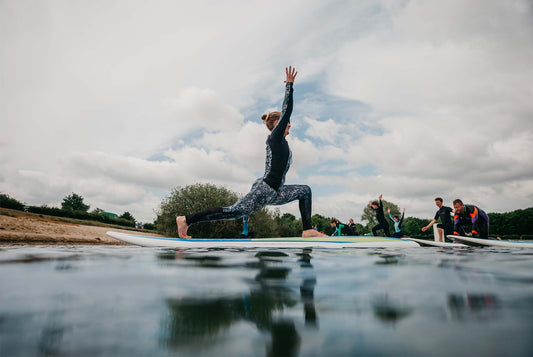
[18,227]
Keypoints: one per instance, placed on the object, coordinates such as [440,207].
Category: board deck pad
[491,242]
[289,242]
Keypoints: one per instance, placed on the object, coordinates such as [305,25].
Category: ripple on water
[147,301]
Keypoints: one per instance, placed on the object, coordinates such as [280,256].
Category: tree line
[72,206]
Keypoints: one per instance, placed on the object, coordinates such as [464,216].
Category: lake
[132,301]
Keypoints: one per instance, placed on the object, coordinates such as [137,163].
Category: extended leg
[260,195]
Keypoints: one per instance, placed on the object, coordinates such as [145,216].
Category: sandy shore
[24,228]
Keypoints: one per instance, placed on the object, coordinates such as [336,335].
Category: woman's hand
[291,74]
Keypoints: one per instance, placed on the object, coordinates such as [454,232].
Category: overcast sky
[121,101]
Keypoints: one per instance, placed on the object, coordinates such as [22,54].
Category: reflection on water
[65,301]
[195,320]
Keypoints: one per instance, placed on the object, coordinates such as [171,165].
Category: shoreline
[23,228]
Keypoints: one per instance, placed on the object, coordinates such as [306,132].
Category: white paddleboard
[491,242]
[432,243]
[291,242]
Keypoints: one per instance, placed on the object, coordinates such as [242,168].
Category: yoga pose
[269,189]
[382,222]
[397,224]
[342,229]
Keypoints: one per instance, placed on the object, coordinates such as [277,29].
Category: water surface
[132,301]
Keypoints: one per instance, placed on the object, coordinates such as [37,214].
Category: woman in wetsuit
[269,189]
[397,221]
[377,206]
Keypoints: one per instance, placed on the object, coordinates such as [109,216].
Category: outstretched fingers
[290,73]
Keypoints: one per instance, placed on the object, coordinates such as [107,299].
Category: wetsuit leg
[384,226]
[375,229]
[260,195]
[289,193]
[483,226]
[386,229]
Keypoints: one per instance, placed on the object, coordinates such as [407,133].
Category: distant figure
[341,229]
[269,189]
[245,227]
[382,222]
[397,224]
[445,226]
[315,227]
[471,214]
[353,227]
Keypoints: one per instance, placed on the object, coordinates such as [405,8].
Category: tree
[127,216]
[323,224]
[412,227]
[288,225]
[74,202]
[9,202]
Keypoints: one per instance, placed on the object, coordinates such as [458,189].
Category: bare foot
[312,233]
[182,227]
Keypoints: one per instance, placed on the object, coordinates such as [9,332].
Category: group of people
[463,215]
[377,206]
[270,189]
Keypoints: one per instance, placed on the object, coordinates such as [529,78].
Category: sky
[123,101]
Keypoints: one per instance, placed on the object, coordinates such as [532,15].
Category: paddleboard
[291,242]
[491,242]
[431,243]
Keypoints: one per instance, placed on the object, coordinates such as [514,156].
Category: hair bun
[264,117]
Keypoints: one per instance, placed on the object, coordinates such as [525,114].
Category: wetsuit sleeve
[436,216]
[390,216]
[457,227]
[401,219]
[279,129]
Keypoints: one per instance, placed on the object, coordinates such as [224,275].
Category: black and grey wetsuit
[269,189]
[382,222]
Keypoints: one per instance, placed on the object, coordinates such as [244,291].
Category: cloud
[410,99]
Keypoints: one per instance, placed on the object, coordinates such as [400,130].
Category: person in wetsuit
[397,224]
[382,222]
[474,215]
[353,226]
[445,226]
[341,229]
[269,189]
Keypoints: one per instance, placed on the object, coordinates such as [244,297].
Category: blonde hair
[270,119]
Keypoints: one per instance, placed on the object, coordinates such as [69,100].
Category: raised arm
[286,111]
[390,216]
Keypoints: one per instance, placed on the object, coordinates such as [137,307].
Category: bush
[8,202]
[149,226]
